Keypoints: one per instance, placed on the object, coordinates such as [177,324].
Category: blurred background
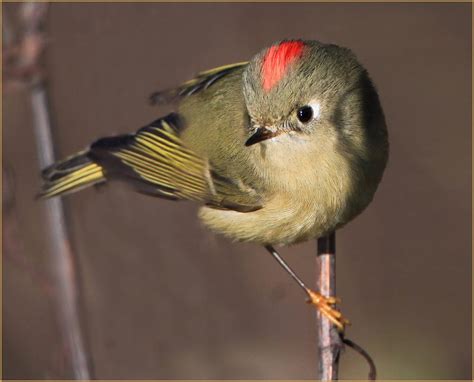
[162,297]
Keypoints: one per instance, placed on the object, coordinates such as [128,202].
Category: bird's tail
[72,174]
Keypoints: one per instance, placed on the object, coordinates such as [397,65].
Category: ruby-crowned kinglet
[287,147]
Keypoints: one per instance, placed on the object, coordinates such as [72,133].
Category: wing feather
[202,81]
[156,162]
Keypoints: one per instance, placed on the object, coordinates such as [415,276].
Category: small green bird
[287,147]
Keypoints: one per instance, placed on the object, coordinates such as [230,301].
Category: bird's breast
[306,196]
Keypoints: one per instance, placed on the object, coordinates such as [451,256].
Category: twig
[329,340]
[25,69]
[372,369]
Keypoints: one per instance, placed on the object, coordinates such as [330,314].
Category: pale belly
[281,221]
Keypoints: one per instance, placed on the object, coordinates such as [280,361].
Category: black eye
[305,114]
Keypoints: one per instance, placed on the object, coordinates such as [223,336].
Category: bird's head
[305,90]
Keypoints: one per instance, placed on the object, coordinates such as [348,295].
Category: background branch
[21,68]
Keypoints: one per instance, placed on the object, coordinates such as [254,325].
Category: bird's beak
[260,135]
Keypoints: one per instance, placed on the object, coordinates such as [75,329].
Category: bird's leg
[325,304]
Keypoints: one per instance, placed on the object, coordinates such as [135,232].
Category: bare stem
[329,340]
[63,261]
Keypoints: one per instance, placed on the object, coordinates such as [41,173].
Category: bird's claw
[325,306]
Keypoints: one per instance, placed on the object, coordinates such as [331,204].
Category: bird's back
[216,126]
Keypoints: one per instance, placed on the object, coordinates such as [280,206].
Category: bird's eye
[305,114]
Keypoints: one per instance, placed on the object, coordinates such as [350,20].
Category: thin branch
[329,340]
[359,349]
[23,68]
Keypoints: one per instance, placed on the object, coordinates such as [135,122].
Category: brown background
[165,298]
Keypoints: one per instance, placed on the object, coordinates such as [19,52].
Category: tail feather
[70,175]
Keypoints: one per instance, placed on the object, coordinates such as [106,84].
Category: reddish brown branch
[329,340]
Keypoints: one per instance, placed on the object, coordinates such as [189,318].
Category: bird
[286,147]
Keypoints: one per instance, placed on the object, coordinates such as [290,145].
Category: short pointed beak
[260,135]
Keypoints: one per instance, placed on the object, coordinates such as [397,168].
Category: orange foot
[325,306]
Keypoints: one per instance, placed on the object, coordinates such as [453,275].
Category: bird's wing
[156,162]
[201,81]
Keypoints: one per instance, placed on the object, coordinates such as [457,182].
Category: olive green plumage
[242,151]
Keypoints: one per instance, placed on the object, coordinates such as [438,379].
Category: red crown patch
[277,60]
